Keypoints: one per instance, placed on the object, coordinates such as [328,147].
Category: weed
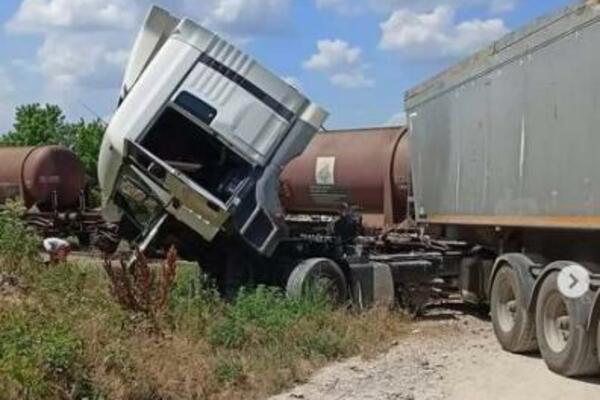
[18,243]
[194,302]
[35,353]
[135,287]
[229,370]
[324,343]
[228,333]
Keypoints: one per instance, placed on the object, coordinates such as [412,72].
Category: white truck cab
[200,136]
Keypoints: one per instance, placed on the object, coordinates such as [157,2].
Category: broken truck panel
[206,131]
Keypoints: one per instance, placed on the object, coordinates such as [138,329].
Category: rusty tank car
[50,181]
[48,177]
[366,168]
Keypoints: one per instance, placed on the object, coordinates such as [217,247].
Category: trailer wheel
[598,339]
[318,275]
[566,346]
[597,325]
[513,325]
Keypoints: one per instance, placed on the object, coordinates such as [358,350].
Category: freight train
[50,181]
[496,173]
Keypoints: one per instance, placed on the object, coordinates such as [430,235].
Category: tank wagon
[328,177]
[48,177]
[50,181]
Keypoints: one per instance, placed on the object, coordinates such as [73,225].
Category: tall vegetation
[18,243]
[68,331]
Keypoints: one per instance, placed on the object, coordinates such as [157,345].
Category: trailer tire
[597,325]
[566,346]
[513,325]
[318,273]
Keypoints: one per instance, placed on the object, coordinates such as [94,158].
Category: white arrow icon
[574,281]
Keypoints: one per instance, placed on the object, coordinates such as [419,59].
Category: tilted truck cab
[200,137]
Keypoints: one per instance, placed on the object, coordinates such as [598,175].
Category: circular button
[574,281]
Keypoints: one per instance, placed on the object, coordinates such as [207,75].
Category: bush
[325,343]
[194,301]
[137,288]
[261,316]
[19,244]
[229,333]
[40,359]
[269,308]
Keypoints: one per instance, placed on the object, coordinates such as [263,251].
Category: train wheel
[513,325]
[318,275]
[566,346]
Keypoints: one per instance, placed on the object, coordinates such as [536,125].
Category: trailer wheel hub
[556,323]
[507,308]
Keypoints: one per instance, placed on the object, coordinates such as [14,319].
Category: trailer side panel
[510,136]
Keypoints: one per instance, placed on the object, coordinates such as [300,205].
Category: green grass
[63,336]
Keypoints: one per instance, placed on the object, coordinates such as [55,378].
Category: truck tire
[566,346]
[321,273]
[513,326]
[598,339]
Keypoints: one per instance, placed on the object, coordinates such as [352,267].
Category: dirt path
[455,359]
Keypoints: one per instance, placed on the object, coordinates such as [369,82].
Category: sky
[354,57]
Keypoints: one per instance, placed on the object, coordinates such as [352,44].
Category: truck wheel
[318,274]
[598,339]
[566,346]
[597,325]
[513,325]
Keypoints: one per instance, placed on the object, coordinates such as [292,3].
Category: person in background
[57,249]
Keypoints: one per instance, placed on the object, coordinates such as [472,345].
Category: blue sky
[355,57]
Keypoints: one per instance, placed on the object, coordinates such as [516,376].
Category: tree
[87,139]
[36,125]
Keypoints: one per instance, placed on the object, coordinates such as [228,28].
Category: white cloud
[6,86]
[341,62]
[344,7]
[7,90]
[85,59]
[398,119]
[437,34]
[241,18]
[86,42]
[233,17]
[352,79]
[45,15]
[332,54]
[502,6]
[354,7]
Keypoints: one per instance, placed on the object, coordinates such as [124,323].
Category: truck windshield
[136,201]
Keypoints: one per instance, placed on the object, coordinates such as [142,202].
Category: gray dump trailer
[504,153]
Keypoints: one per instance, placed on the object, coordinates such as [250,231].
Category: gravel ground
[450,356]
